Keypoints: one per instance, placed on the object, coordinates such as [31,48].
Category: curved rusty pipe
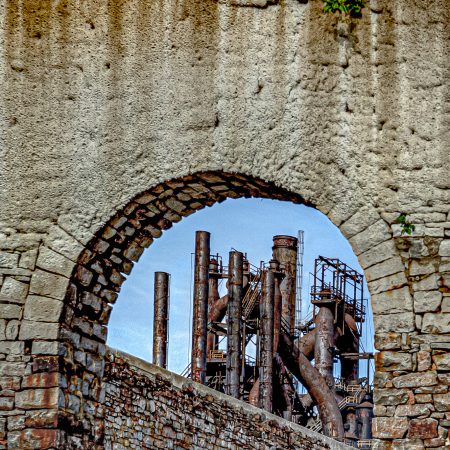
[304,345]
[302,368]
[216,313]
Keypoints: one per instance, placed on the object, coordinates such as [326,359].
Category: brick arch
[101,268]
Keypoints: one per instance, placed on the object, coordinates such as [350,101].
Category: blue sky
[245,224]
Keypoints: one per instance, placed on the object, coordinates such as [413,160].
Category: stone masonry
[149,408]
[118,118]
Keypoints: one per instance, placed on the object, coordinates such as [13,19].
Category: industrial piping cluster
[249,344]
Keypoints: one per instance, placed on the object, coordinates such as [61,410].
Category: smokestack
[266,314]
[235,295]
[285,252]
[200,316]
[160,318]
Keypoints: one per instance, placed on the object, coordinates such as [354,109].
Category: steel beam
[160,318]
[200,316]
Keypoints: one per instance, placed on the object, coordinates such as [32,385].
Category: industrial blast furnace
[251,344]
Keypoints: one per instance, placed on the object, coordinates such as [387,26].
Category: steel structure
[250,343]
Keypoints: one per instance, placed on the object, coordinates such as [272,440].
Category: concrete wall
[120,117]
[149,408]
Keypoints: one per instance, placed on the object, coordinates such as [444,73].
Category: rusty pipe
[266,310]
[160,318]
[277,300]
[286,389]
[306,346]
[299,365]
[200,316]
[324,344]
[218,310]
[213,297]
[253,395]
[234,332]
[307,343]
[285,252]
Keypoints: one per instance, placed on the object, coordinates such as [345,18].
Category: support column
[266,310]
[235,294]
[160,318]
[323,354]
[200,316]
[285,252]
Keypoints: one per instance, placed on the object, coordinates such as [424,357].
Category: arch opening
[248,225]
[102,268]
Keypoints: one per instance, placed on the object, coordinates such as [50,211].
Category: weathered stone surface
[42,308]
[423,428]
[10,311]
[390,396]
[423,360]
[30,439]
[37,398]
[14,289]
[388,341]
[444,249]
[442,402]
[395,301]
[418,409]
[442,362]
[427,301]
[393,361]
[48,284]
[389,427]
[416,380]
[9,260]
[52,261]
[398,323]
[445,305]
[38,330]
[436,323]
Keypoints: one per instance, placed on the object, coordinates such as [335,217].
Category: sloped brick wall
[147,407]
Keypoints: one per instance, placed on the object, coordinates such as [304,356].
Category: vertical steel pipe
[277,303]
[324,343]
[266,309]
[285,252]
[213,296]
[160,318]
[235,295]
[200,316]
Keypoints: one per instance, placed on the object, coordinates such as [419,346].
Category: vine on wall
[346,7]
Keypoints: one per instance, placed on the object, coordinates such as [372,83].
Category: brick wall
[147,407]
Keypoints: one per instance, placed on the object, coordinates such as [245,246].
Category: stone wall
[147,407]
[120,117]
